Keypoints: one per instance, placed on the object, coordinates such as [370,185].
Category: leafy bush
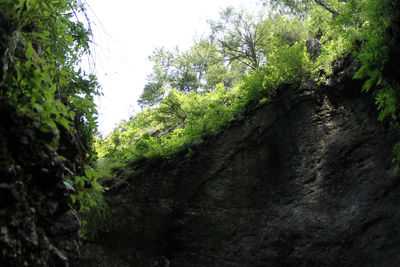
[40,62]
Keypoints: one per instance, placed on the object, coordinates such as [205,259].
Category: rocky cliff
[38,225]
[305,180]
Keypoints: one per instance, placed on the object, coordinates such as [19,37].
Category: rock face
[313,48]
[38,225]
[306,180]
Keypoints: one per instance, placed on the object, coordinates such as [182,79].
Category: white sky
[127,31]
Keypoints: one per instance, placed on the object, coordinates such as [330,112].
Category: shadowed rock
[313,48]
[302,181]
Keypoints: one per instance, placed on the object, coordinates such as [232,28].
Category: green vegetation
[191,94]
[40,76]
[194,93]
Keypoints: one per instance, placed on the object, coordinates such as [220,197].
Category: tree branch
[323,5]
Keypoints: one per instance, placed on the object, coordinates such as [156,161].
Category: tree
[153,93]
[154,90]
[186,72]
[198,69]
[238,37]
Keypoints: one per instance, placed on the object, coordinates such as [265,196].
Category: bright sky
[127,31]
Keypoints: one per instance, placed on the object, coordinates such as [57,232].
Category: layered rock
[305,180]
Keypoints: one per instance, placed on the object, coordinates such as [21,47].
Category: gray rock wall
[303,181]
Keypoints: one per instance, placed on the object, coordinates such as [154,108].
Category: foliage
[239,43]
[378,58]
[40,63]
[367,30]
[194,93]
[225,87]
[374,55]
[179,120]
[95,214]
[199,69]
[302,7]
[40,77]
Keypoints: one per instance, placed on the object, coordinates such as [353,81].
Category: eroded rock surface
[306,180]
[38,225]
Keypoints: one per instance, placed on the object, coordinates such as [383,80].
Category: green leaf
[29,51]
[72,114]
[90,173]
[46,128]
[64,122]
[73,198]
[53,88]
